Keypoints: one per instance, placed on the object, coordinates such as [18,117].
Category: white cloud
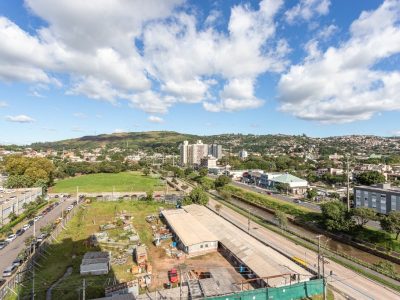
[3,104]
[327,31]
[94,46]
[345,83]
[307,9]
[20,119]
[155,119]
[118,130]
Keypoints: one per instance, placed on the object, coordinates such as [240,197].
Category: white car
[9,271]
[70,207]
[11,237]
[26,227]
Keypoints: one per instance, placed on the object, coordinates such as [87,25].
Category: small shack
[95,263]
[141,254]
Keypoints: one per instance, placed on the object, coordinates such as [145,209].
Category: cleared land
[102,182]
[72,244]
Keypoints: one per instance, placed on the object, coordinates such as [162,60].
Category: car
[56,203]
[26,226]
[3,244]
[11,237]
[70,208]
[297,201]
[17,262]
[20,231]
[30,223]
[9,271]
[173,275]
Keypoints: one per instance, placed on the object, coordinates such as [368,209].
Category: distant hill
[150,139]
[168,142]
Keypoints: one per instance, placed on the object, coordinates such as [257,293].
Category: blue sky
[319,67]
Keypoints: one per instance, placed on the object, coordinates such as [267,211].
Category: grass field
[106,182]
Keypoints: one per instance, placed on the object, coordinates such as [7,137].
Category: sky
[70,68]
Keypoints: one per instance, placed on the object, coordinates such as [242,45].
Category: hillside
[168,142]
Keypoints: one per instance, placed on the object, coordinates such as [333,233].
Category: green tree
[282,187]
[226,195]
[221,181]
[149,196]
[203,172]
[188,171]
[218,208]
[370,177]
[335,216]
[12,216]
[282,219]
[391,223]
[198,196]
[311,194]
[146,171]
[363,215]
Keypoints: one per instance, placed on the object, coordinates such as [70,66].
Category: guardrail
[12,283]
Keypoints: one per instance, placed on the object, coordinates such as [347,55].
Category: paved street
[345,280]
[9,253]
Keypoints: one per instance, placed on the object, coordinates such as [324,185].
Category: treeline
[28,171]
[68,169]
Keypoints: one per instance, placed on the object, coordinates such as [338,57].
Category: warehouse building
[192,237]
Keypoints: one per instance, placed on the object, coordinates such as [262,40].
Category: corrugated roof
[189,230]
[263,260]
[288,178]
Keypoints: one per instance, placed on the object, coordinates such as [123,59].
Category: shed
[95,263]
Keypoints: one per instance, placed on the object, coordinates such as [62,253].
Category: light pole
[348,185]
[319,254]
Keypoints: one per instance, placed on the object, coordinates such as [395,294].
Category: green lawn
[105,182]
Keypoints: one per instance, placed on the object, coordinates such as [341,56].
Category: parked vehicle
[30,223]
[9,271]
[173,275]
[11,237]
[20,231]
[26,226]
[3,244]
[17,262]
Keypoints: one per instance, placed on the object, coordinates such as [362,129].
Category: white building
[209,162]
[243,154]
[191,154]
[215,150]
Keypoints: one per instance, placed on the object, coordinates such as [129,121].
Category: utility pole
[348,185]
[77,194]
[84,290]
[33,277]
[323,277]
[248,221]
[319,254]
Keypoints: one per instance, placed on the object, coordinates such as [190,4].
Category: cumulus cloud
[155,119]
[307,9]
[152,54]
[20,119]
[345,83]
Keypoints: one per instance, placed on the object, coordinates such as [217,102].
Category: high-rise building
[183,149]
[215,150]
[191,154]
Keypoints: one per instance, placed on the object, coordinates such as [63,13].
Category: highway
[342,279]
[11,251]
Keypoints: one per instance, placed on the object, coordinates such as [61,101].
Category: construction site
[195,253]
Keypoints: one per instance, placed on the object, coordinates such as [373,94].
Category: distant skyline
[71,68]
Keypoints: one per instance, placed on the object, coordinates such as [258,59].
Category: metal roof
[189,230]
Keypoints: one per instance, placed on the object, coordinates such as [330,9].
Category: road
[11,251]
[343,279]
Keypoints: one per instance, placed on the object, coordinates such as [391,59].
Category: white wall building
[243,154]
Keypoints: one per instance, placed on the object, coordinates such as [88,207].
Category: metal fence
[11,286]
[300,290]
